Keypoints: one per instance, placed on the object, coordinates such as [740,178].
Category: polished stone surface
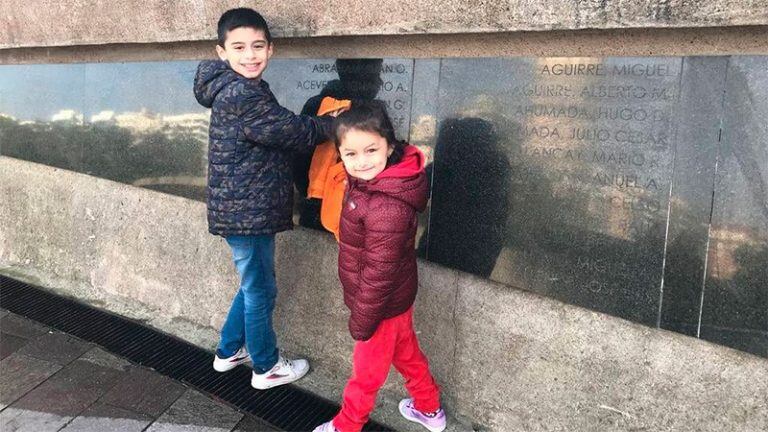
[735,297]
[300,86]
[426,80]
[139,123]
[36,120]
[297,83]
[702,86]
[136,123]
[554,174]
[590,180]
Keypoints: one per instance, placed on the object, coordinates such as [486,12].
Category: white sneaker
[229,363]
[283,372]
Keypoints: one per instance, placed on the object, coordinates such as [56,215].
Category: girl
[386,187]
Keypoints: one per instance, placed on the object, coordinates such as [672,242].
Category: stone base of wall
[506,359]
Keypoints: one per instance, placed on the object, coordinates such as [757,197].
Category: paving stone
[102,358]
[23,420]
[71,390]
[19,374]
[22,327]
[3,313]
[9,344]
[252,424]
[56,347]
[195,412]
[144,391]
[101,417]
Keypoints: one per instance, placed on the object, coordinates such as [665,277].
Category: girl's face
[364,153]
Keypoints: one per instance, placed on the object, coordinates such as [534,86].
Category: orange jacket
[330,208]
[327,178]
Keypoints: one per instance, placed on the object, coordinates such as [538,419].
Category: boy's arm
[387,234]
[268,124]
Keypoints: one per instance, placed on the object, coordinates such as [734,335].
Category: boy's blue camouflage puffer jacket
[250,185]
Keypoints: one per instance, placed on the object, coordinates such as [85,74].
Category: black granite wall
[636,187]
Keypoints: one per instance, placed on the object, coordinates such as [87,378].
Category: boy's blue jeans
[249,321]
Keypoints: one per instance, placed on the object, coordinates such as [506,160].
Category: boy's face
[247,51]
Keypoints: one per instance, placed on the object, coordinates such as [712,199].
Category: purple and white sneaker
[229,363]
[435,423]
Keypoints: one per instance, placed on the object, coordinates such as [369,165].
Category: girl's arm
[387,235]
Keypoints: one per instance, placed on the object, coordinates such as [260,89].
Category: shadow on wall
[489,196]
[736,304]
[469,209]
[359,79]
[684,279]
[735,308]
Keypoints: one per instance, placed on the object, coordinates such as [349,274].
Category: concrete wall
[581,43]
[506,359]
[32,23]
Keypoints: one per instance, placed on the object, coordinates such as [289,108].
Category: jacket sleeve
[266,123]
[387,227]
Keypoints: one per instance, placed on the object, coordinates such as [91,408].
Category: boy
[250,190]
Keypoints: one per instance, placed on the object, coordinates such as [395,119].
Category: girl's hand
[337,112]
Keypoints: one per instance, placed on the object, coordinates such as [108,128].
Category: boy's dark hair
[241,17]
[370,116]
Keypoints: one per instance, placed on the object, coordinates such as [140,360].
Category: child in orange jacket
[327,178]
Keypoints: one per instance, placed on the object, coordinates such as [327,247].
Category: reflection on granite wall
[735,294]
[309,81]
[590,180]
[702,86]
[131,122]
[563,166]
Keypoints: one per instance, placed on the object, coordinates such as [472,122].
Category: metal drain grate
[285,407]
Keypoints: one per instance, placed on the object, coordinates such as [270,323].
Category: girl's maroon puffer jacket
[377,232]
